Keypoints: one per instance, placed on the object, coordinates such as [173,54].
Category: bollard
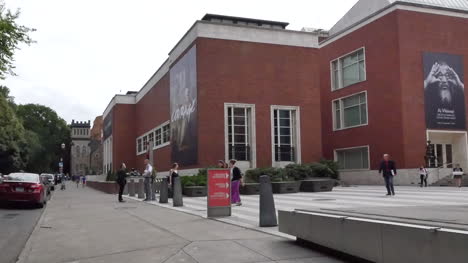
[125,191]
[131,188]
[267,203]
[177,195]
[153,190]
[141,189]
[163,192]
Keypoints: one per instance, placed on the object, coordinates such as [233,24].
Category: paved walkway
[83,225]
[431,203]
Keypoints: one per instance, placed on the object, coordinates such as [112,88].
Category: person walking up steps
[388,171]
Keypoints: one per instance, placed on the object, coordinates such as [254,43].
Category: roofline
[394,5]
[237,18]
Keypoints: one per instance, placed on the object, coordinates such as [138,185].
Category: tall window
[284,133]
[151,138]
[239,134]
[350,111]
[353,158]
[139,145]
[158,137]
[145,143]
[166,131]
[348,70]
[78,151]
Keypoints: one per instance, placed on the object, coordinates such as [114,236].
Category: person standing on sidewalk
[423,175]
[388,170]
[147,174]
[236,181]
[458,174]
[121,181]
[173,173]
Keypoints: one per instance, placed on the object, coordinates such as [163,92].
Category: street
[16,223]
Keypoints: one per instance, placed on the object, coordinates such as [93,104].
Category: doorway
[450,148]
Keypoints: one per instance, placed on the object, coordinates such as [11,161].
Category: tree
[51,131]
[11,36]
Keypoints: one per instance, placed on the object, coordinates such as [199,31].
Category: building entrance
[450,148]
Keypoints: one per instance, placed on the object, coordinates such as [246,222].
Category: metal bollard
[267,203]
[153,190]
[131,188]
[177,195]
[141,189]
[163,192]
[125,191]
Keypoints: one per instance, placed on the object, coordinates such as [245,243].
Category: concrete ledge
[376,240]
[106,187]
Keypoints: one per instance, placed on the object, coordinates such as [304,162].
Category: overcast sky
[89,50]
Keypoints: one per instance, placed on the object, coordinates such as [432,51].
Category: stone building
[80,150]
[95,146]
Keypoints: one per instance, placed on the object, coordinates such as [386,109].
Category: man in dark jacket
[388,170]
[121,180]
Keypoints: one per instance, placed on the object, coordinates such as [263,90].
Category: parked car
[25,188]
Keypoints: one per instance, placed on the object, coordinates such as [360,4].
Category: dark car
[25,188]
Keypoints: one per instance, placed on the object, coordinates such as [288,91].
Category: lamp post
[61,159]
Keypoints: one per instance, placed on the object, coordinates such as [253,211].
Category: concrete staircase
[449,181]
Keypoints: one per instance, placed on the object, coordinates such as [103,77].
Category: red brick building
[385,79]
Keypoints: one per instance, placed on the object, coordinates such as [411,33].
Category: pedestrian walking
[388,171]
[423,174]
[83,180]
[173,173]
[121,180]
[147,174]
[458,174]
[222,164]
[236,181]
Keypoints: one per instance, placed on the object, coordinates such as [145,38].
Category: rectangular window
[158,137]
[348,70]
[145,143]
[350,111]
[353,159]
[166,133]
[151,138]
[448,154]
[284,126]
[139,146]
[239,132]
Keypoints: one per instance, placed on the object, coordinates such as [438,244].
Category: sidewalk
[84,225]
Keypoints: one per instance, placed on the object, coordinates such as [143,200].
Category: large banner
[444,93]
[183,96]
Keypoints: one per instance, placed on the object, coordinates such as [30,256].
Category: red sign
[219,188]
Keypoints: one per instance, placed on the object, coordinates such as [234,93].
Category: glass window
[145,143]
[350,111]
[151,139]
[284,121]
[356,158]
[139,145]
[448,155]
[348,70]
[239,132]
[166,130]
[158,136]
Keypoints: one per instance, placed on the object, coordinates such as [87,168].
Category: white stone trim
[118,99]
[297,121]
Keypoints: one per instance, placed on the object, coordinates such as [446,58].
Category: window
[166,133]
[348,70]
[350,111]
[353,158]
[285,132]
[158,137]
[145,143]
[78,151]
[139,146]
[84,151]
[151,138]
[239,132]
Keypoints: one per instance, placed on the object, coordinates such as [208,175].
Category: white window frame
[340,71]
[253,139]
[155,147]
[297,135]
[335,156]
[342,112]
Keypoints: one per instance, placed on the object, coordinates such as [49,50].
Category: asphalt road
[16,225]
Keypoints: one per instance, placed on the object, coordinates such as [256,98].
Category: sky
[89,50]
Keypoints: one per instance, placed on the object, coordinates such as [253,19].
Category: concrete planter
[250,189]
[194,191]
[286,187]
[106,187]
[317,185]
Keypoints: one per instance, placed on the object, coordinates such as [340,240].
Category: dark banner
[183,94]
[107,126]
[444,93]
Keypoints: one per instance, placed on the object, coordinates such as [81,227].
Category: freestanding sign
[219,193]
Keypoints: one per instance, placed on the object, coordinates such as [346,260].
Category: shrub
[111,176]
[298,171]
[333,166]
[276,174]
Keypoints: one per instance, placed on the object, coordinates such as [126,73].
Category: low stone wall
[106,187]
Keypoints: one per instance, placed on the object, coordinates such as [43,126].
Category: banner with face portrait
[444,92]
[183,100]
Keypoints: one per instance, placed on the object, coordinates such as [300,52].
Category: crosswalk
[247,215]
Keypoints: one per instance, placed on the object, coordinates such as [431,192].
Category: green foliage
[199,179]
[333,168]
[276,174]
[11,36]
[111,176]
